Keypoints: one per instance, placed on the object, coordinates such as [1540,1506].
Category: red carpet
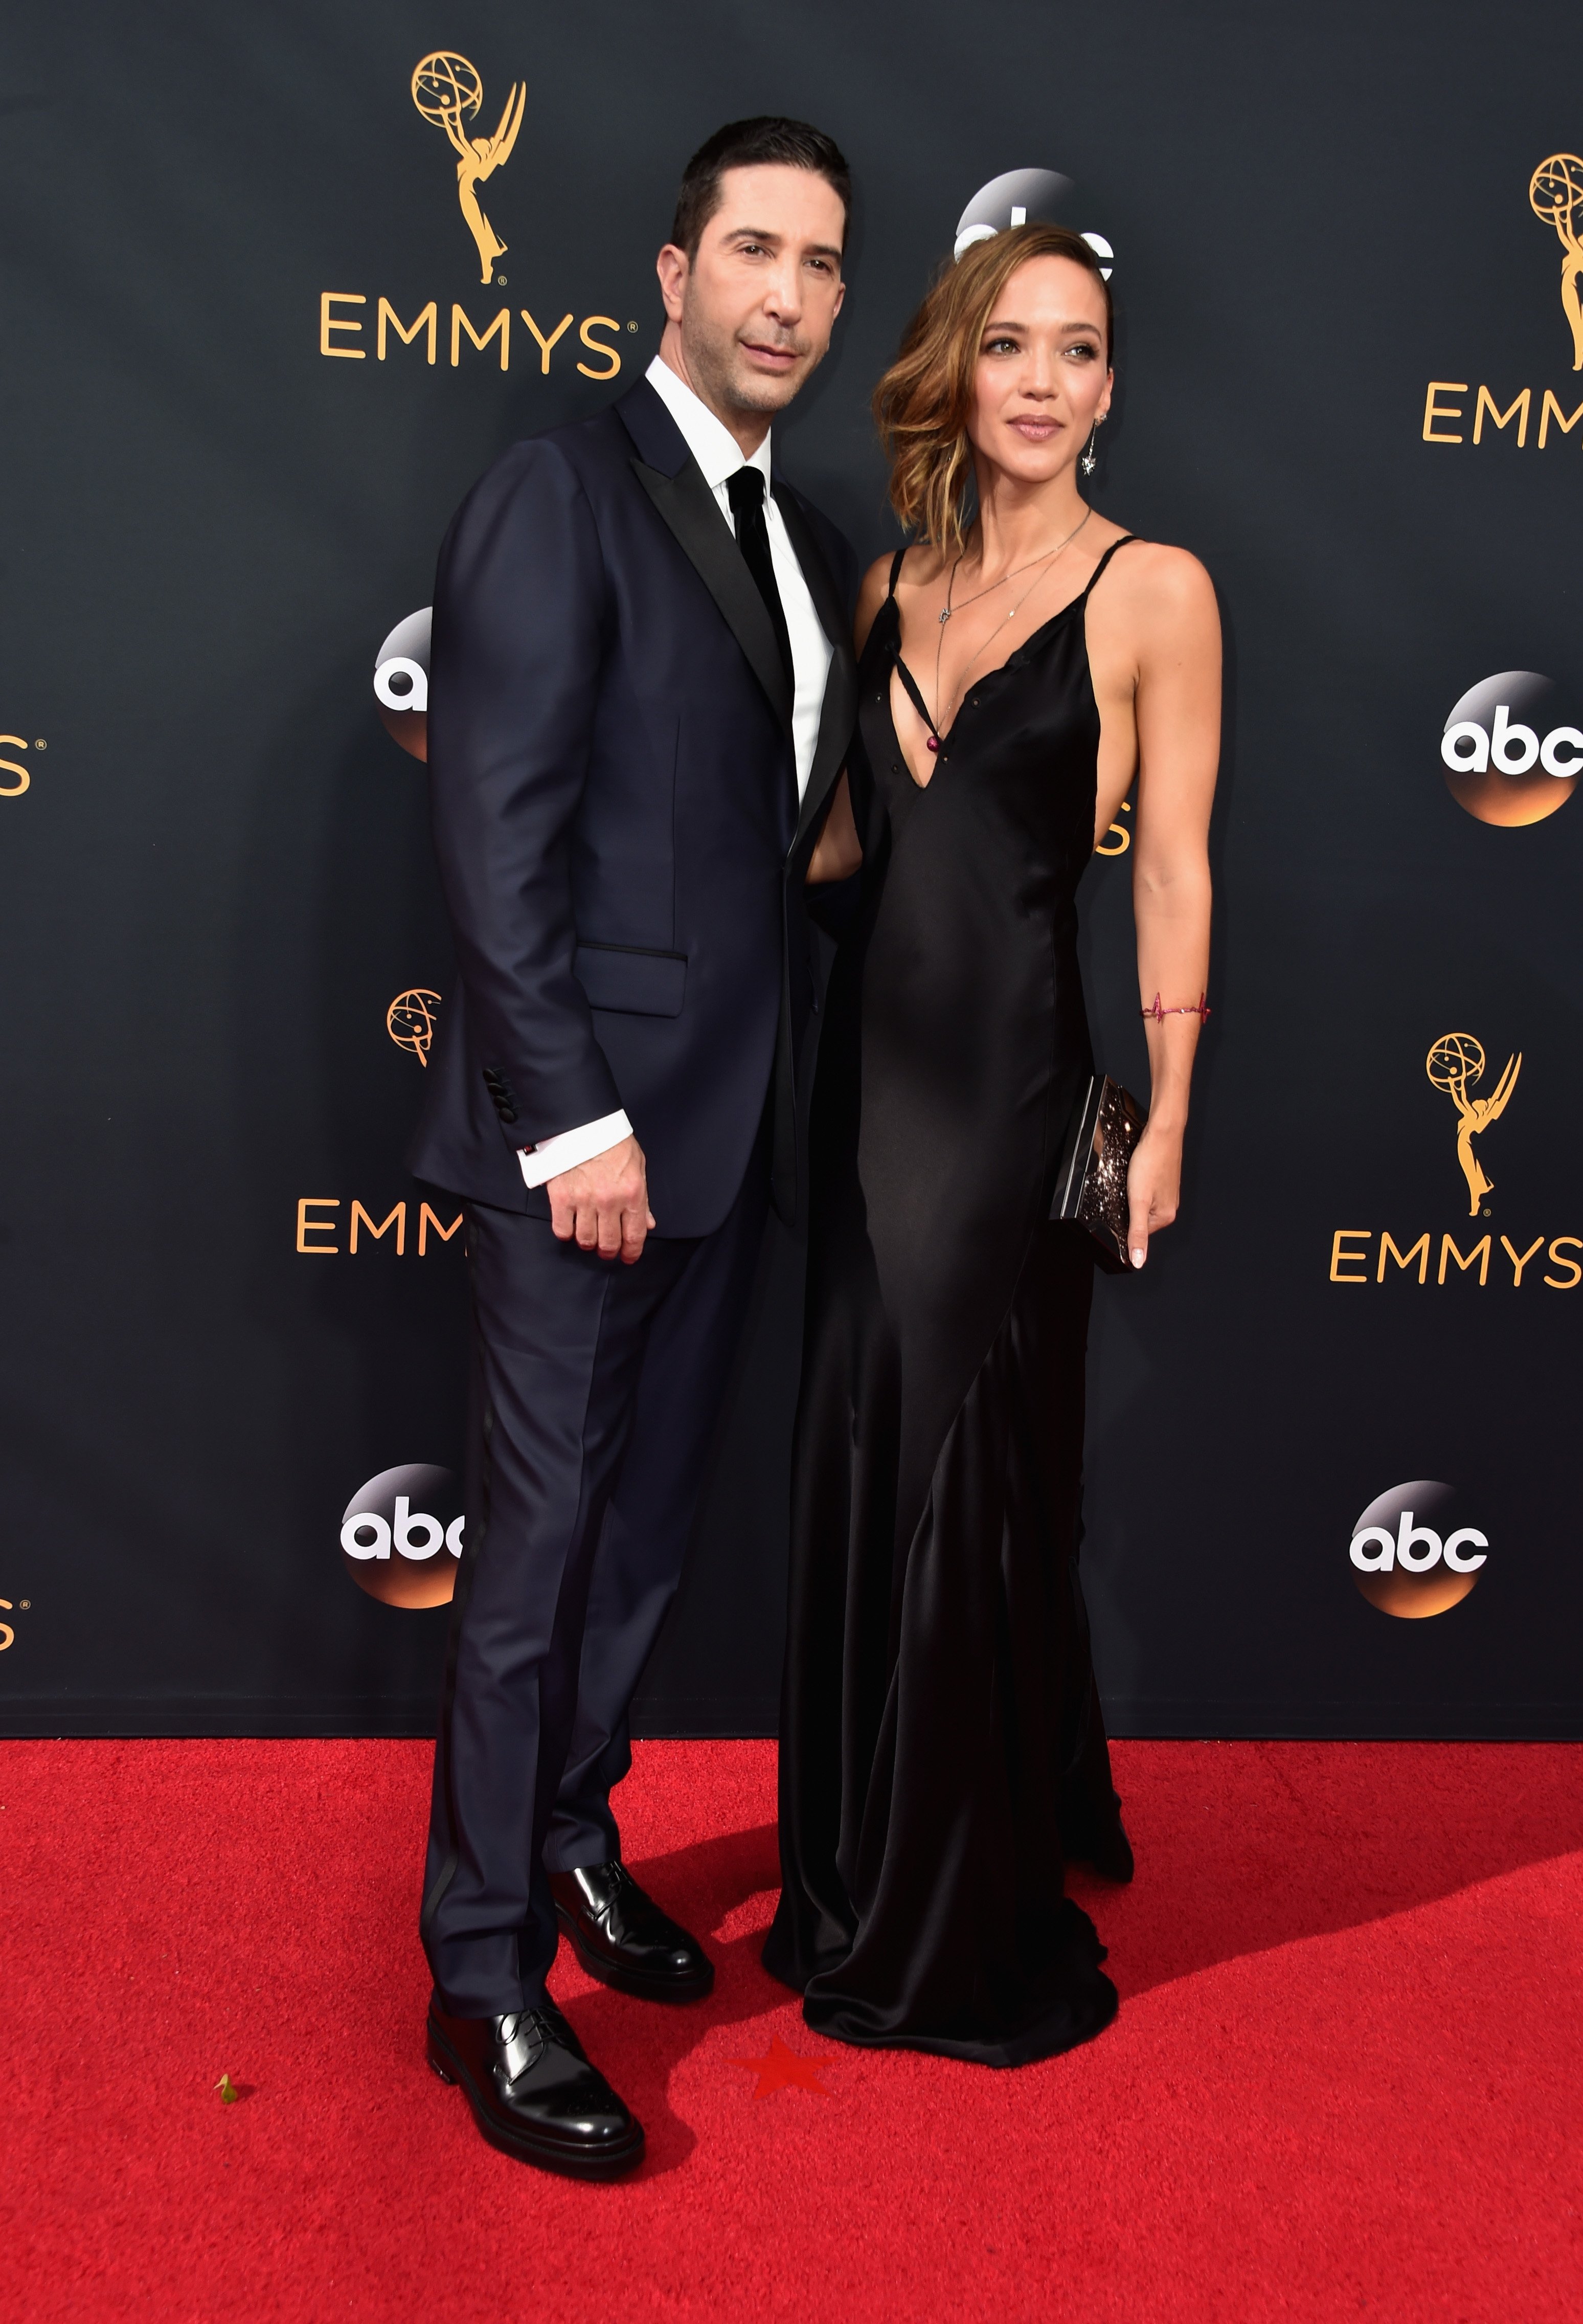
[1344,2081]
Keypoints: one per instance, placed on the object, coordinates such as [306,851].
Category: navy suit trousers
[596,1388]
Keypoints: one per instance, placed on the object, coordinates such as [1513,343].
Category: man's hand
[604,1202]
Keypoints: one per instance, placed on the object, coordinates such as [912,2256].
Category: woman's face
[1041,378]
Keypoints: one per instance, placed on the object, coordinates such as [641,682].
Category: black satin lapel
[839,711]
[832,619]
[694,515]
[837,719]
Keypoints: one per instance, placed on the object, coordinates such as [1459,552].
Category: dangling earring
[1088,463]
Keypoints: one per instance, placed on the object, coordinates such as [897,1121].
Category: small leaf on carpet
[229,2093]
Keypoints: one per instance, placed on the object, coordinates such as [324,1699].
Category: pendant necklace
[1045,561]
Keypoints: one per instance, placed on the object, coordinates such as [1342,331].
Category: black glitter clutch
[1091,1186]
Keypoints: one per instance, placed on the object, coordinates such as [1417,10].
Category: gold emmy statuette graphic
[1556,193]
[447,90]
[410,1021]
[1456,1060]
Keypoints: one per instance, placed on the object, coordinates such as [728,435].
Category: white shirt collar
[708,439]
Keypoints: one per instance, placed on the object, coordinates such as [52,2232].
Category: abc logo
[1510,756]
[401,682]
[1023,197]
[402,1536]
[1410,1555]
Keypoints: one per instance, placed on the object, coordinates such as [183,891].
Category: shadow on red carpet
[1343,2081]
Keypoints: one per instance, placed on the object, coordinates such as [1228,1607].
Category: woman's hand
[1153,1187]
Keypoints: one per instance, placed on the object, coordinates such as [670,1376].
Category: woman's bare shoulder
[1154,601]
[921,564]
[876,585]
[1151,576]
[922,567]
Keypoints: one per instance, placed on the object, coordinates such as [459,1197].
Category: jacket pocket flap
[642,983]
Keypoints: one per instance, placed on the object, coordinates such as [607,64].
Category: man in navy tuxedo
[641,695]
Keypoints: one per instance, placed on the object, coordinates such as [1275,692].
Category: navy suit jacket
[616,822]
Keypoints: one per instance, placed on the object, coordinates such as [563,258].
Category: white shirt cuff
[551,1156]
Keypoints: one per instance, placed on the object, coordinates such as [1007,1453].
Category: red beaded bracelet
[1199,1009]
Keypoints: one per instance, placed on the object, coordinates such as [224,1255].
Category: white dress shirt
[719,456]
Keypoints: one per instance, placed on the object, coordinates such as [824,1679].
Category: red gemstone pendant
[931,744]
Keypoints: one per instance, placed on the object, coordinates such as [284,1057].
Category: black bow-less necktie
[745,492]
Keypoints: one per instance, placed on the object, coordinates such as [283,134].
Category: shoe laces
[618,1878]
[528,2034]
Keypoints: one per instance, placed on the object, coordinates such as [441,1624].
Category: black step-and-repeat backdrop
[281,279]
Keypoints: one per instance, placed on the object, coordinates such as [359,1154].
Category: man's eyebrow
[766,234]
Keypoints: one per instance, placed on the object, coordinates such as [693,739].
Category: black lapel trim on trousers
[481,1416]
[694,515]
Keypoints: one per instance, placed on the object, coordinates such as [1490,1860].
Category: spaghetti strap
[1105,560]
[910,685]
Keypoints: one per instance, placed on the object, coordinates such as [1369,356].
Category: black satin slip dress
[940,1743]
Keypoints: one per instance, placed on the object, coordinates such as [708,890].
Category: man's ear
[673,268]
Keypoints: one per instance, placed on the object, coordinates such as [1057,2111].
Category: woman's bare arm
[838,851]
[1178,710]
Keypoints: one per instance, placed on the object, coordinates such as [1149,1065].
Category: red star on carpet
[783,2069]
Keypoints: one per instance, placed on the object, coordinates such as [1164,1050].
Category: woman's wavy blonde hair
[922,401]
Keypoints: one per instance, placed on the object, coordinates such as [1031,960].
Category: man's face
[754,310]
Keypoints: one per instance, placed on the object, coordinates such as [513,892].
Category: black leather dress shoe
[533,2093]
[621,1937]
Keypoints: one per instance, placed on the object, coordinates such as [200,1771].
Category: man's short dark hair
[766,139]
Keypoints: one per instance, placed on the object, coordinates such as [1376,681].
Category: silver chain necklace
[1046,560]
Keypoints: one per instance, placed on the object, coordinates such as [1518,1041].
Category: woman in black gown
[942,1744]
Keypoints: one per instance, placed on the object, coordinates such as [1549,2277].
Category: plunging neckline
[914,692]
